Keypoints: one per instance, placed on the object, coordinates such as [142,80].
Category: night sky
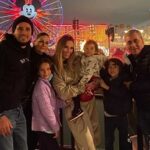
[131,12]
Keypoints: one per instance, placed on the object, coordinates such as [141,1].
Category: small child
[90,67]
[89,72]
[117,103]
[45,106]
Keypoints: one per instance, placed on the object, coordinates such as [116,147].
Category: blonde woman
[66,83]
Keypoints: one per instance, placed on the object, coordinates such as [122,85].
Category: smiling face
[135,43]
[23,32]
[45,71]
[41,44]
[113,69]
[68,50]
[89,50]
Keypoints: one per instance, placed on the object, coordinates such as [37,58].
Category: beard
[23,42]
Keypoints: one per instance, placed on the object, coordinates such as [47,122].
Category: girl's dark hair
[116,61]
[45,60]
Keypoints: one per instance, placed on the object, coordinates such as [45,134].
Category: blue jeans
[18,139]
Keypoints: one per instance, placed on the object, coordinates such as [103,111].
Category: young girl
[38,52]
[117,103]
[45,106]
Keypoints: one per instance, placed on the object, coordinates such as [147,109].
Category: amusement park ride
[45,14]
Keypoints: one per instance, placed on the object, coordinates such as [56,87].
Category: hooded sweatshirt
[14,72]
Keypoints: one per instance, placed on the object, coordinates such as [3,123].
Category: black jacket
[140,70]
[14,73]
[117,100]
[35,59]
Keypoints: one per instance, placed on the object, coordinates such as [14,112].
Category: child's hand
[68,102]
[90,86]
[56,135]
[89,92]
[104,85]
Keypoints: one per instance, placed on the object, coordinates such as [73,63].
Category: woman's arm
[64,90]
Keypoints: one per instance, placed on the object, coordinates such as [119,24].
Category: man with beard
[14,76]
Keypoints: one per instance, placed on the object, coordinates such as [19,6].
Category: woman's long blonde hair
[58,55]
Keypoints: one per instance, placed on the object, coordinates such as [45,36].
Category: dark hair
[45,60]
[21,19]
[42,34]
[92,42]
[116,62]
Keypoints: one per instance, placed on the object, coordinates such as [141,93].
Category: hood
[11,41]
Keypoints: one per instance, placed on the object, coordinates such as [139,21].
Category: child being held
[90,67]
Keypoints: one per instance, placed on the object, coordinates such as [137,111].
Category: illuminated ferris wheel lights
[4,21]
[43,2]
[42,26]
[7,16]
[6,8]
[53,8]
[50,4]
[1,1]
[45,14]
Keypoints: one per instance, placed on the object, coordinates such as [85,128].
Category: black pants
[76,101]
[32,137]
[47,142]
[112,123]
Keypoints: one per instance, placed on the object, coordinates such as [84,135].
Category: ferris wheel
[46,15]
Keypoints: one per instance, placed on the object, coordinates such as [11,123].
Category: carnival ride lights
[45,15]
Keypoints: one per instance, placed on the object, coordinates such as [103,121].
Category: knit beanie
[19,20]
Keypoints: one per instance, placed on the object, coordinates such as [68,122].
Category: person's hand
[89,92]
[5,126]
[56,135]
[90,86]
[126,59]
[68,102]
[104,85]
[127,84]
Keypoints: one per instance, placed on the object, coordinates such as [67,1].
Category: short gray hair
[132,31]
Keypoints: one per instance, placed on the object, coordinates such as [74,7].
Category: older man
[140,87]
[14,73]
